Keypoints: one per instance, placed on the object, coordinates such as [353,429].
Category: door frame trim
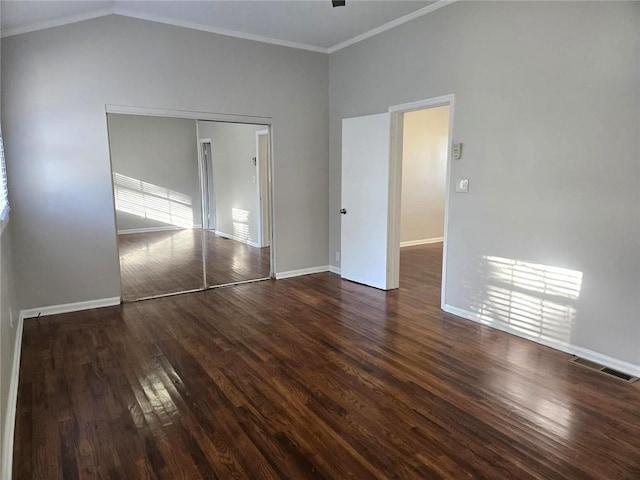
[259,163]
[395,186]
[204,194]
[204,181]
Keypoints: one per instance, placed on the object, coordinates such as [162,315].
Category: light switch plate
[462,185]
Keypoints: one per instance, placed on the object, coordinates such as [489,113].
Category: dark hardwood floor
[158,263]
[229,261]
[311,377]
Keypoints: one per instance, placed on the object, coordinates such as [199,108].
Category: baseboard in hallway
[302,271]
[423,241]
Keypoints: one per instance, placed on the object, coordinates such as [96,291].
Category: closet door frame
[205,116]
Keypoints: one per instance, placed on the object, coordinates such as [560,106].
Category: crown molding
[219,31]
[392,24]
[223,31]
[58,22]
[158,19]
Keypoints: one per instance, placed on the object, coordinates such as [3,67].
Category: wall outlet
[337,256]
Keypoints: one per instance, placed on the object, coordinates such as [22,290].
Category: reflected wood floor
[158,263]
[311,377]
[229,261]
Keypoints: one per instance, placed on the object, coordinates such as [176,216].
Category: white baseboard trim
[302,271]
[237,239]
[423,241]
[336,270]
[69,307]
[616,364]
[166,228]
[12,401]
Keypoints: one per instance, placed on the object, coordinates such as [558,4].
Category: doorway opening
[372,188]
[264,180]
[425,146]
[372,185]
[420,170]
[208,187]
[187,202]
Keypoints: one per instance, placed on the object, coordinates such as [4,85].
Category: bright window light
[537,300]
[152,202]
[4,195]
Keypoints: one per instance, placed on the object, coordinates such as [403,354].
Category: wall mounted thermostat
[456,152]
[462,185]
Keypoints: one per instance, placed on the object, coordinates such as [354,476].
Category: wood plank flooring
[157,263]
[229,261]
[311,377]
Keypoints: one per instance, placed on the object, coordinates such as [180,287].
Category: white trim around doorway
[395,185]
[263,240]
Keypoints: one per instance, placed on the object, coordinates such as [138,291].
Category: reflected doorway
[235,192]
[208,196]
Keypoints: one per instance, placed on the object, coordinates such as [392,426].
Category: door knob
[343,211]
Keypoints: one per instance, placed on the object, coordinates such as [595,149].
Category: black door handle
[343,211]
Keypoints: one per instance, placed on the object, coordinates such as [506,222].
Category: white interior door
[365,199]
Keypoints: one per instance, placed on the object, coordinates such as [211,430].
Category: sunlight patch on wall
[152,202]
[241,224]
[534,299]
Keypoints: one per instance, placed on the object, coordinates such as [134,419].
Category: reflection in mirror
[158,204]
[192,203]
[236,209]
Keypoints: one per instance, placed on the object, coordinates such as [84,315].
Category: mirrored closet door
[191,203]
[235,165]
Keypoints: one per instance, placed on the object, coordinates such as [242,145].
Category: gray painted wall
[424,173]
[548,107]
[233,146]
[155,166]
[55,87]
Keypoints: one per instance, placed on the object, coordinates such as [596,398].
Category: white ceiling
[311,24]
